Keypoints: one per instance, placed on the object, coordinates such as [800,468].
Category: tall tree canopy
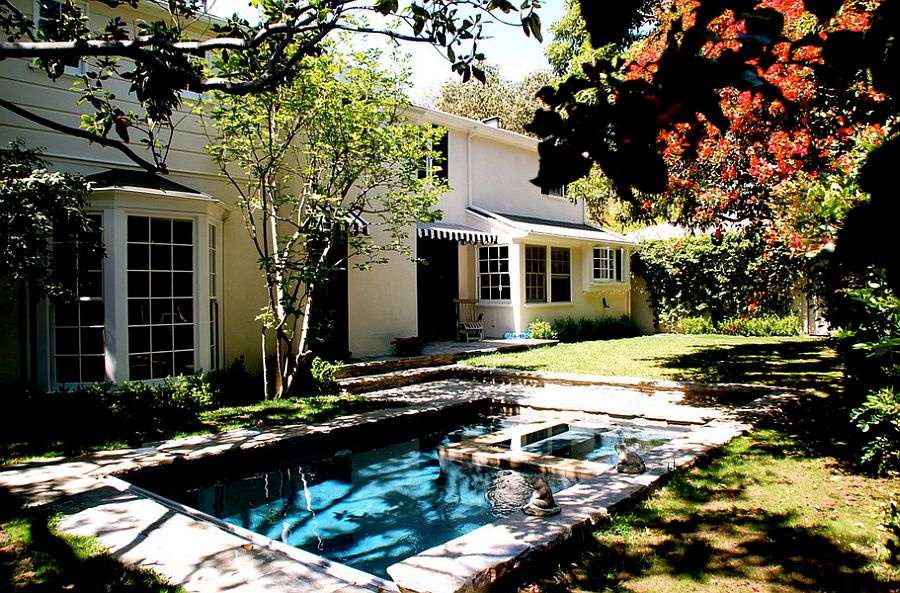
[329,175]
[513,102]
[721,102]
[163,57]
[38,206]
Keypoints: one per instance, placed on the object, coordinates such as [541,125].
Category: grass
[73,436]
[771,513]
[789,362]
[36,558]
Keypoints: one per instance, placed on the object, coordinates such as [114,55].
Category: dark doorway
[438,285]
[329,328]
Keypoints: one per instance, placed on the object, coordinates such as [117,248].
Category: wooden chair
[468,326]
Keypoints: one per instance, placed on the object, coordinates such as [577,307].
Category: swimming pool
[372,506]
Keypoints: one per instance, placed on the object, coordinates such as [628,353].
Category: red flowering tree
[730,110]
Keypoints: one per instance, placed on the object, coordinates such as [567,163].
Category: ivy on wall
[728,276]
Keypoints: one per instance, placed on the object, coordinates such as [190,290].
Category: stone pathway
[204,557]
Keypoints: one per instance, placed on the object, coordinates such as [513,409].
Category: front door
[437,286]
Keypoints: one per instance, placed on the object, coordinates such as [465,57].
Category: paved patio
[209,557]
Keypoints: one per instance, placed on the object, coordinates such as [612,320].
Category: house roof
[455,232]
[142,182]
[554,228]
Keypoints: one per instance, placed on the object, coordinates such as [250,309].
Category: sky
[509,48]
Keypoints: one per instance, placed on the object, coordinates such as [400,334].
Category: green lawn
[790,362]
[781,510]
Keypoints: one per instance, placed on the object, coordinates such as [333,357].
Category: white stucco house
[175,292]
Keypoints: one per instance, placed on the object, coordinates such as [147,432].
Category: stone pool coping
[204,558]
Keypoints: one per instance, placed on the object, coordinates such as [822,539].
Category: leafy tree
[513,102]
[764,88]
[38,206]
[313,161]
[160,59]
[718,278]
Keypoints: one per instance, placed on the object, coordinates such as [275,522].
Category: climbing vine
[720,277]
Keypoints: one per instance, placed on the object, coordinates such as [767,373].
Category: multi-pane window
[213,297]
[556,192]
[493,273]
[160,297]
[535,274]
[560,275]
[78,326]
[49,15]
[607,264]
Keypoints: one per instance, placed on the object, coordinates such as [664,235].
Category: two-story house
[520,252]
[176,290]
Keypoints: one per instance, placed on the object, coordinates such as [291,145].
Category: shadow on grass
[53,432]
[718,528]
[808,364]
[36,559]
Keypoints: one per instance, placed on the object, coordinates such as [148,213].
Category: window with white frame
[77,327]
[607,264]
[160,297]
[560,274]
[493,273]
[214,327]
[535,274]
[48,15]
[554,192]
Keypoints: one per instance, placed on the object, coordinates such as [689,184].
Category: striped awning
[455,232]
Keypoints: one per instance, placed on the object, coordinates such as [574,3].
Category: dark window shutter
[619,253]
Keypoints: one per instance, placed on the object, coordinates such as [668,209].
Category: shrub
[569,329]
[323,375]
[695,325]
[764,326]
[879,416]
[541,330]
[235,385]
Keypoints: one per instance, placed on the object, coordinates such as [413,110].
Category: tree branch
[78,132]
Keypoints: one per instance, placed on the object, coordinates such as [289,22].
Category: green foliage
[879,417]
[323,375]
[129,412]
[38,207]
[310,159]
[541,330]
[513,102]
[702,277]
[583,329]
[695,325]
[765,325]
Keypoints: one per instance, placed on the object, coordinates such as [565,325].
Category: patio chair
[468,326]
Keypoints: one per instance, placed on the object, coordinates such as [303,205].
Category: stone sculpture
[630,462]
[541,503]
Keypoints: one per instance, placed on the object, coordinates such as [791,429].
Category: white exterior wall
[382,304]
[189,165]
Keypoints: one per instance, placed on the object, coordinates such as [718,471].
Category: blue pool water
[370,509]
[373,508]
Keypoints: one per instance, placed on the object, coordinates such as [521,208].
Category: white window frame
[606,266]
[115,207]
[555,192]
[531,274]
[551,274]
[54,327]
[499,273]
[80,69]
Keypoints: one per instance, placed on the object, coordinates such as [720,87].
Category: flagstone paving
[207,557]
